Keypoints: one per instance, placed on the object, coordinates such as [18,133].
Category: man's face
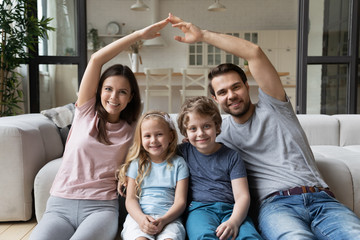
[231,93]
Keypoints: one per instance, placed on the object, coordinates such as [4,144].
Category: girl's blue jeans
[204,218]
[307,216]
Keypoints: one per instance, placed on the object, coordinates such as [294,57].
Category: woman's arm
[134,209]
[230,228]
[177,208]
[90,80]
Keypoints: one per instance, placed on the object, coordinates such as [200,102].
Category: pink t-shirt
[88,167]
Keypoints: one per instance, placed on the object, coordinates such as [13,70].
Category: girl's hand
[227,229]
[147,226]
[160,224]
[192,33]
[152,31]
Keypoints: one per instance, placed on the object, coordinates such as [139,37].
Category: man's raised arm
[260,67]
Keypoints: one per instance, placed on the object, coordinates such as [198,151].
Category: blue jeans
[204,218]
[307,216]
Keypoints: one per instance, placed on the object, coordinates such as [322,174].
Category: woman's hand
[122,189]
[152,31]
[192,33]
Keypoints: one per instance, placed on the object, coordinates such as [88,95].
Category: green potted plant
[19,31]
[94,39]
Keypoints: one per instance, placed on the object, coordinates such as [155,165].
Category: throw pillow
[62,118]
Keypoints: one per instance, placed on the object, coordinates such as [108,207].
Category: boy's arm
[230,228]
[177,208]
[260,67]
[134,209]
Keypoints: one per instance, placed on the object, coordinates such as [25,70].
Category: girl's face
[155,138]
[201,132]
[115,95]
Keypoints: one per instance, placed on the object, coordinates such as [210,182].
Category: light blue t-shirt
[158,187]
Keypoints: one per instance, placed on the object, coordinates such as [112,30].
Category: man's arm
[260,67]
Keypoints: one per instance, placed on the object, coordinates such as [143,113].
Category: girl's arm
[177,208]
[90,80]
[230,228]
[134,209]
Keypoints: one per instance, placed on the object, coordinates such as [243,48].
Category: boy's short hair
[201,105]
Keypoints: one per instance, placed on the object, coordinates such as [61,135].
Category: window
[328,77]
[205,55]
[61,59]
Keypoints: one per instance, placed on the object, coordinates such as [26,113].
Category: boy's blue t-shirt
[158,187]
[211,175]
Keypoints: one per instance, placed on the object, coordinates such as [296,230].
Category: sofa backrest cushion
[320,129]
[349,129]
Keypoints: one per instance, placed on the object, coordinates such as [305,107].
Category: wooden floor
[16,230]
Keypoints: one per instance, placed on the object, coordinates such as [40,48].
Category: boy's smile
[201,132]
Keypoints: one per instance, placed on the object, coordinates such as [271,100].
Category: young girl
[219,189]
[83,202]
[156,179]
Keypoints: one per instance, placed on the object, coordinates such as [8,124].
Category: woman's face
[115,95]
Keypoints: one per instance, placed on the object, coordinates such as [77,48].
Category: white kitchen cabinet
[268,39]
[287,38]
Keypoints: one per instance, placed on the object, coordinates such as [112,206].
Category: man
[294,200]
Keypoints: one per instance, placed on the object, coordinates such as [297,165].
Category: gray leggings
[78,219]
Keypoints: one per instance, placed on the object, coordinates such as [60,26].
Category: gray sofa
[31,150]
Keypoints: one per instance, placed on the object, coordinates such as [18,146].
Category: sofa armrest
[42,184]
[27,142]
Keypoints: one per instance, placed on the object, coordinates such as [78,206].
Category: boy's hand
[226,230]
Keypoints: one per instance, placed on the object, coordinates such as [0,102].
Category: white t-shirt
[88,167]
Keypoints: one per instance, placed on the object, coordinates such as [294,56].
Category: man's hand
[192,33]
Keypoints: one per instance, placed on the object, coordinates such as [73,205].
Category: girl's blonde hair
[137,151]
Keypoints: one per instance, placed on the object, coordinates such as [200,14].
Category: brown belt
[301,190]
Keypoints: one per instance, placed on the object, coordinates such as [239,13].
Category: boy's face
[201,132]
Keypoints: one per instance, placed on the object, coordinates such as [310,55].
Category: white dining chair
[158,83]
[194,82]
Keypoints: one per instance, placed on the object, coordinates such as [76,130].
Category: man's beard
[241,113]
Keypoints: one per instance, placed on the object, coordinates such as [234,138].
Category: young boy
[219,191]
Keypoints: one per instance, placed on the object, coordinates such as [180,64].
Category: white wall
[240,15]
